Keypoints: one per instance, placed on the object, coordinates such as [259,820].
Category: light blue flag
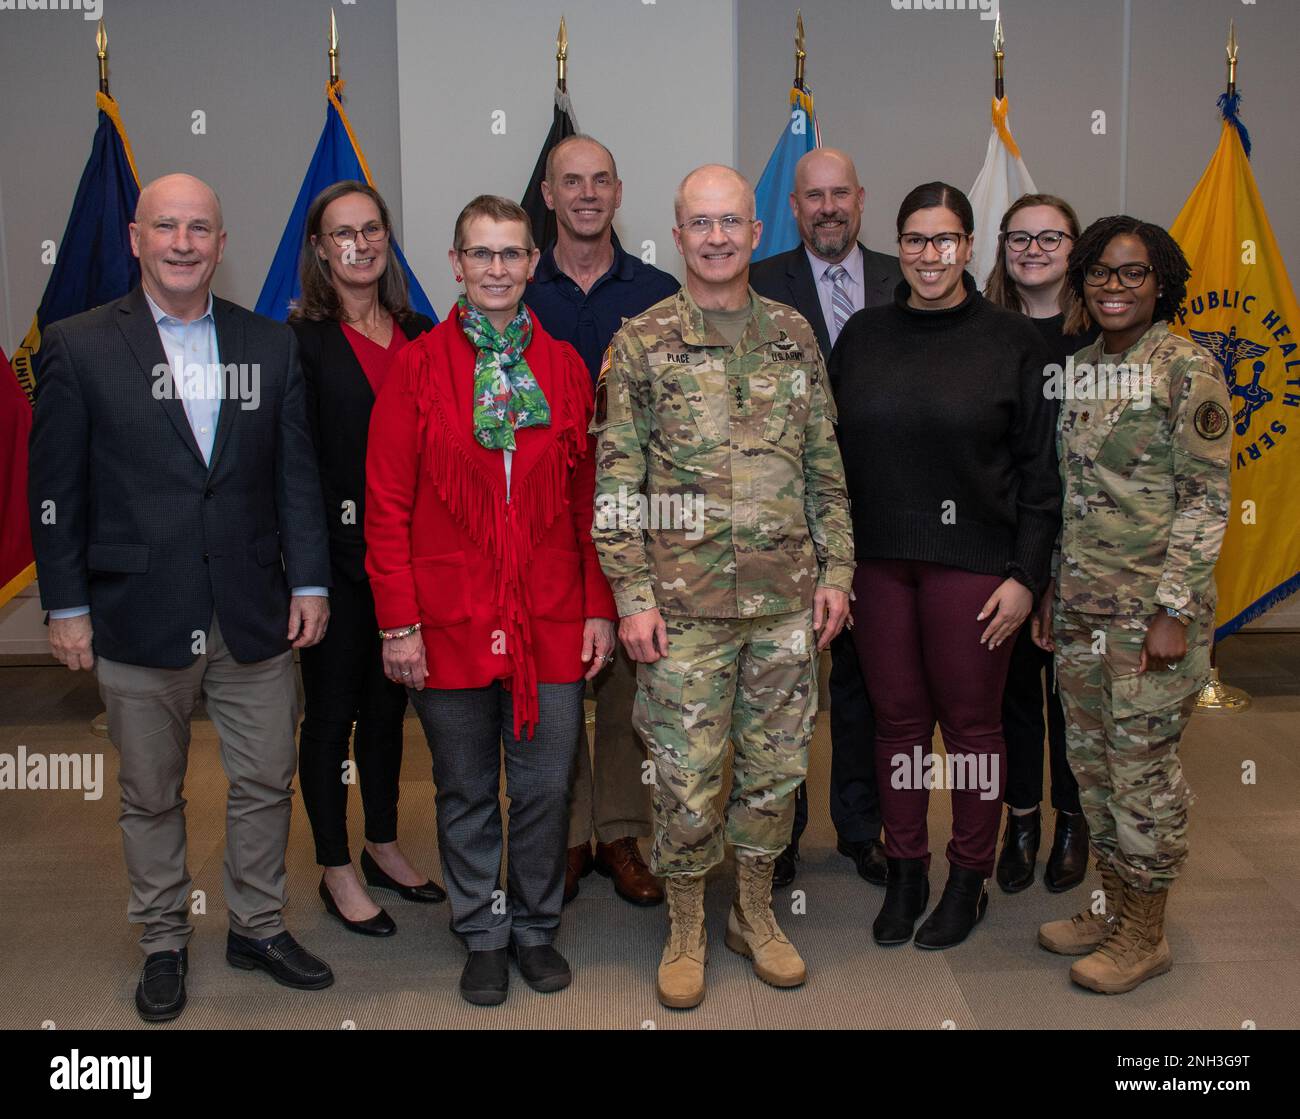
[800,136]
[337,157]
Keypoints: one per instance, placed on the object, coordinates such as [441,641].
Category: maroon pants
[919,642]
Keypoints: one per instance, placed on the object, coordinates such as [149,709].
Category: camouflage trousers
[1121,733]
[753,682]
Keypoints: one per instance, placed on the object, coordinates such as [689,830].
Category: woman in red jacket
[490,599]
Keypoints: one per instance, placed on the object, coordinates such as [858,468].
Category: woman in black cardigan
[951,470]
[351,322]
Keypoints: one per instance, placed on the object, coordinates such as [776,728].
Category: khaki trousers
[255,710]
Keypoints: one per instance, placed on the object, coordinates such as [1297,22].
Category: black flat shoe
[542,967]
[869,859]
[381,924]
[959,910]
[160,994]
[485,978]
[1068,862]
[1015,870]
[785,867]
[430,893]
[906,895]
[281,957]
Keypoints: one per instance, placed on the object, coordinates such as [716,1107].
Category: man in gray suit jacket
[181,550]
[826,279]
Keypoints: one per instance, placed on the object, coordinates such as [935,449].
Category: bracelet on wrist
[404,631]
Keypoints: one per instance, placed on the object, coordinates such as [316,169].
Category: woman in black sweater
[950,462]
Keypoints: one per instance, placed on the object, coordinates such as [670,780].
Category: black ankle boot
[959,910]
[1068,862]
[1019,851]
[907,893]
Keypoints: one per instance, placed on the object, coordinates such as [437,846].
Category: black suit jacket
[128,518]
[339,400]
[788,278]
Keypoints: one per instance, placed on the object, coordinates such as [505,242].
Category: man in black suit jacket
[174,502]
[826,279]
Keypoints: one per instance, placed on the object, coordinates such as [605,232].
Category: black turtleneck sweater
[939,407]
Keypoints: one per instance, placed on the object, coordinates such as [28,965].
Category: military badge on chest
[785,348]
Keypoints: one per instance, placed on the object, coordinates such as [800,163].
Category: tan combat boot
[1086,931]
[752,929]
[1136,951]
[681,969]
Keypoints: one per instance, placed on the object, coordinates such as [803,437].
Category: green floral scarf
[506,394]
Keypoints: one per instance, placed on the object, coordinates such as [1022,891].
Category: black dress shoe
[784,867]
[869,857]
[430,893]
[160,994]
[959,910]
[906,895]
[282,957]
[486,978]
[1020,851]
[542,967]
[381,924]
[1068,862]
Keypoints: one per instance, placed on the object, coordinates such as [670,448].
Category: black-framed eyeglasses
[481,256]
[1130,275]
[701,227]
[373,232]
[1049,240]
[913,244]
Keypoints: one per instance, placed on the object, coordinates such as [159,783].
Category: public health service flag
[94,263]
[1001,180]
[800,136]
[337,157]
[1241,307]
[17,565]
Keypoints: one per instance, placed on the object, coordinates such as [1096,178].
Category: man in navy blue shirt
[584,287]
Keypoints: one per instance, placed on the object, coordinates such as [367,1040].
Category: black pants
[343,681]
[1022,727]
[855,803]
[467,728]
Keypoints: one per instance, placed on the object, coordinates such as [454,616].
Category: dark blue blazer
[154,539]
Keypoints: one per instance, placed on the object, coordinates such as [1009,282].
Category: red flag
[17,565]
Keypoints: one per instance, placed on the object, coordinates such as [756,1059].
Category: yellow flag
[1241,307]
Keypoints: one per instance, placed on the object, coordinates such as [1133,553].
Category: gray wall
[907,94]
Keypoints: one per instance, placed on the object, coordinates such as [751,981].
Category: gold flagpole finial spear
[334,50]
[999,42]
[562,58]
[101,53]
[1232,57]
[799,53]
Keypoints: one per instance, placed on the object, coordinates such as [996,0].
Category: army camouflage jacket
[1146,495]
[719,487]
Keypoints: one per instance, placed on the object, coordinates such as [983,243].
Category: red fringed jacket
[502,588]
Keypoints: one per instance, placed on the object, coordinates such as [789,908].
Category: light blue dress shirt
[855,287]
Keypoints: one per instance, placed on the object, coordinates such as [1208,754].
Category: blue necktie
[841,304]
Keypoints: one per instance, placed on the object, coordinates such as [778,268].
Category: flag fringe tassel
[1228,106]
[1258,607]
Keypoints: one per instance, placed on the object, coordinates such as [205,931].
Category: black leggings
[1022,727]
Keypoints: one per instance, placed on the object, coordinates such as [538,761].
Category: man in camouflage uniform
[1145,507]
[722,524]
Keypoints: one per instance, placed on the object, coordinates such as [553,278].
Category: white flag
[1001,180]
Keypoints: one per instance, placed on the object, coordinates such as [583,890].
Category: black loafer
[1068,862]
[784,867]
[542,967]
[960,908]
[160,994]
[281,957]
[869,858]
[485,978]
[430,893]
[381,924]
[1015,869]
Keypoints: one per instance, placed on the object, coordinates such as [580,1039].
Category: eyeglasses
[482,257]
[701,227]
[913,244]
[373,233]
[1049,240]
[1130,275]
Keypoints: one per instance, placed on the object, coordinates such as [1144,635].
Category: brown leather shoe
[621,861]
[577,864]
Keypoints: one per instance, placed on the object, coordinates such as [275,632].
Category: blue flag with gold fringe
[772,195]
